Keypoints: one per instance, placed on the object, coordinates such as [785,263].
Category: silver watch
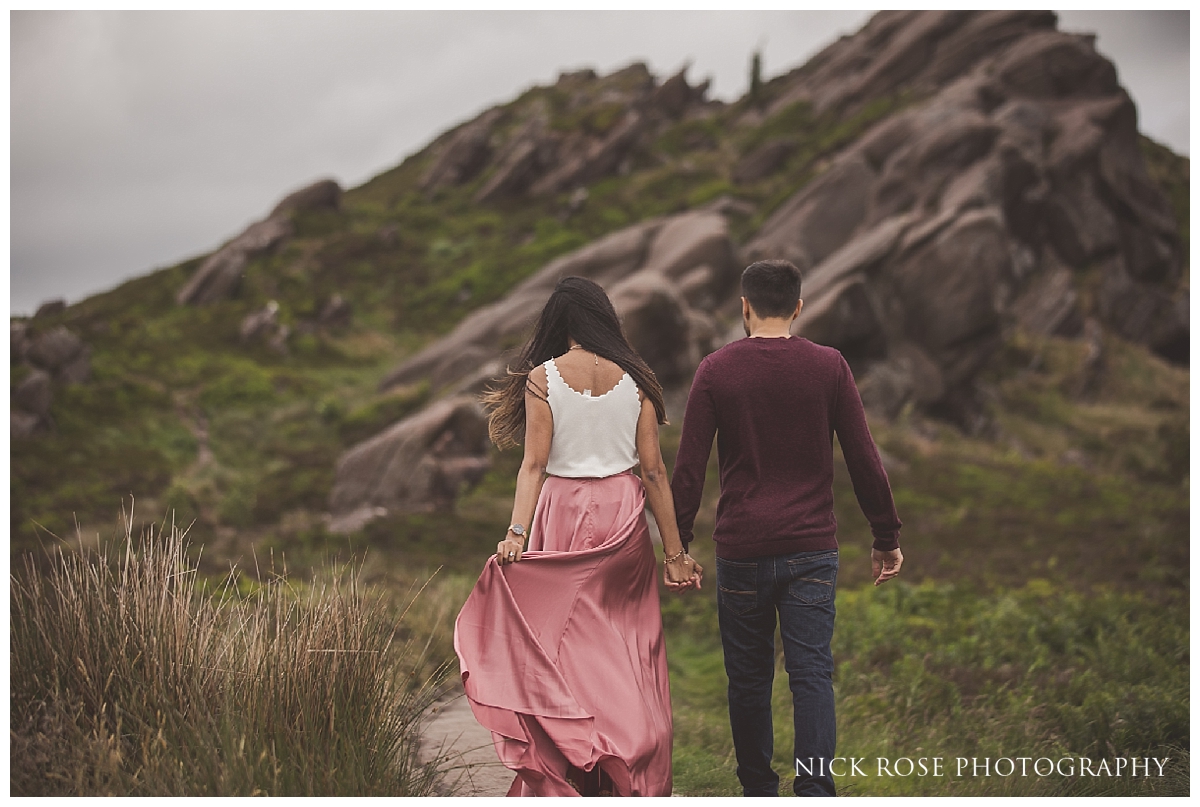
[517,530]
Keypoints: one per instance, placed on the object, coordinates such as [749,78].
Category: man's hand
[885,565]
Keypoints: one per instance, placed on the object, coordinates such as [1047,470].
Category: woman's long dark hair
[578,308]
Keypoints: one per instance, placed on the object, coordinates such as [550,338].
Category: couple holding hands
[560,643]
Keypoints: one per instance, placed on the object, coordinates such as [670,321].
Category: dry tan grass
[132,676]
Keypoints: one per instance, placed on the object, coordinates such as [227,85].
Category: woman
[560,644]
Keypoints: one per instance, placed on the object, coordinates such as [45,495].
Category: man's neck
[771,329]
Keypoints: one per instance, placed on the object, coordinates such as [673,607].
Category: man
[774,402]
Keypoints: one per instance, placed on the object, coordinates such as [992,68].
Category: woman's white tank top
[594,435]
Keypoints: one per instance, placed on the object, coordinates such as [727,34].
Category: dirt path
[472,763]
[473,767]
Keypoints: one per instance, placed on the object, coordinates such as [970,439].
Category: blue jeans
[750,591]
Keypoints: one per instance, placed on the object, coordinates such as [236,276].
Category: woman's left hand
[509,551]
[682,573]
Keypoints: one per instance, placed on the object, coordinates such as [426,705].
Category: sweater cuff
[885,541]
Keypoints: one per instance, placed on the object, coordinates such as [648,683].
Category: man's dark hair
[771,287]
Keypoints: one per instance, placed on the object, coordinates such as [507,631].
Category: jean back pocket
[811,580]
[737,586]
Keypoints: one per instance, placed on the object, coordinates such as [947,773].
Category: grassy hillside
[1044,604]
[171,383]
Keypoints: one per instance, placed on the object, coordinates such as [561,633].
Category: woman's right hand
[509,551]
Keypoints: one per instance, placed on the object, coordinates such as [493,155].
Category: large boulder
[33,394]
[847,317]
[1080,225]
[863,254]
[595,124]
[464,154]
[841,308]
[675,95]
[218,276]
[30,410]
[691,240]
[1008,190]
[595,160]
[1143,313]
[951,288]
[50,308]
[691,251]
[908,374]
[665,277]
[655,319]
[901,51]
[1013,191]
[18,340]
[418,465]
[765,160]
[528,154]
[56,355]
[907,53]
[1049,65]
[61,353]
[614,255]
[917,174]
[820,218]
[77,370]
[324,194]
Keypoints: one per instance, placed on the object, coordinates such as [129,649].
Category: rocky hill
[949,182]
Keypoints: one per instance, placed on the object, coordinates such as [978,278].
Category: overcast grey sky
[139,139]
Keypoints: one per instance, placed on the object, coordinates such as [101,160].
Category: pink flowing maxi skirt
[562,654]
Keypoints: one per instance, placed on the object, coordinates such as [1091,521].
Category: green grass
[1044,604]
[1042,611]
[944,670]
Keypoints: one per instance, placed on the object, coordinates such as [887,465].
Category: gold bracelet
[676,556]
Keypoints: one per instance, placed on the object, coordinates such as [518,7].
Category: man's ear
[799,305]
[745,308]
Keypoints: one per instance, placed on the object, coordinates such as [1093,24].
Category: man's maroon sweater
[775,405]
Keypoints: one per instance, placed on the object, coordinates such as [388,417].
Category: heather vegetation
[1043,610]
[949,671]
[170,381]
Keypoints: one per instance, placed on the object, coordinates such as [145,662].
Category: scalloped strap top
[594,435]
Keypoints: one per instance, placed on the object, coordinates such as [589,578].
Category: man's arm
[867,474]
[695,444]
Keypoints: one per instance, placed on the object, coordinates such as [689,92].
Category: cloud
[141,138]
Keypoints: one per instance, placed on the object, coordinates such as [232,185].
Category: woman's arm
[539,428]
[680,570]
